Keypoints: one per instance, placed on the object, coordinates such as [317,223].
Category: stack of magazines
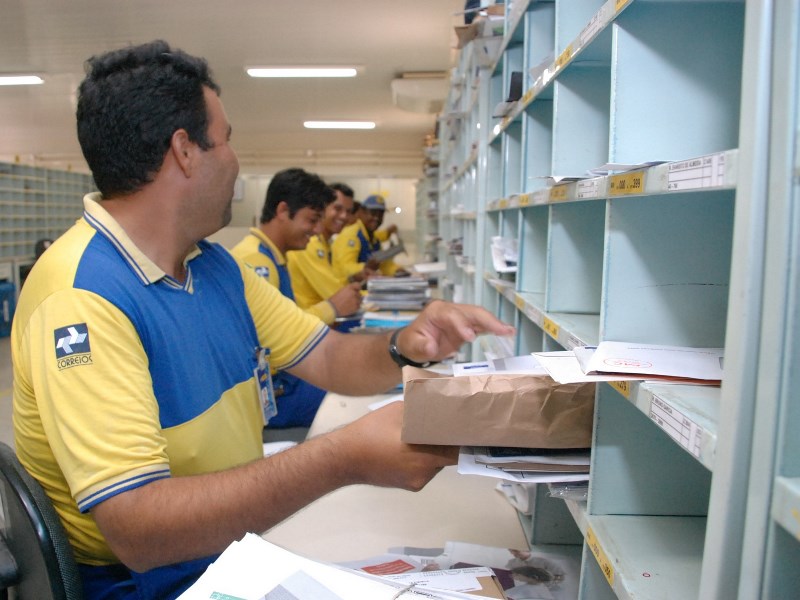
[396,293]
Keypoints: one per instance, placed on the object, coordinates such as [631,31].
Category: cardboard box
[484,25]
[523,411]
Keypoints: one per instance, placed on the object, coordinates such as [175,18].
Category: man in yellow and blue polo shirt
[354,245]
[289,217]
[311,269]
[141,351]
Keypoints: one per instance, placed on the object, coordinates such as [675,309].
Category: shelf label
[623,387]
[605,565]
[591,29]
[551,328]
[502,203]
[524,200]
[697,173]
[534,315]
[572,342]
[620,4]
[527,97]
[588,188]
[558,193]
[678,426]
[626,183]
[564,57]
[519,302]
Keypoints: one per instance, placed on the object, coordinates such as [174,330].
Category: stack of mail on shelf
[397,293]
[526,465]
[505,254]
[628,361]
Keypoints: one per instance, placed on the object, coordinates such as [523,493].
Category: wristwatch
[401,360]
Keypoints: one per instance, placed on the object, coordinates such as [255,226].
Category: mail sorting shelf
[643,256]
[457,164]
[37,203]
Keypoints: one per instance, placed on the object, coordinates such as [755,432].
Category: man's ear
[182,150]
[282,210]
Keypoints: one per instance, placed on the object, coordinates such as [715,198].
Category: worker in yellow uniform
[354,245]
[311,269]
[352,215]
[291,213]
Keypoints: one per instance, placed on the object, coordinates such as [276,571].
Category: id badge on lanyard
[266,395]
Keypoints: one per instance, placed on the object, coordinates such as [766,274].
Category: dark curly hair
[129,105]
[299,189]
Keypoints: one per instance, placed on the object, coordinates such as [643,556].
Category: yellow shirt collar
[262,237]
[101,219]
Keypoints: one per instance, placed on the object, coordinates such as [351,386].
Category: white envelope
[653,360]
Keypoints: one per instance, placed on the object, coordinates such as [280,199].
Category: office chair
[36,560]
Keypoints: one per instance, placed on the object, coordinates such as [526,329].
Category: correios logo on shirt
[72,346]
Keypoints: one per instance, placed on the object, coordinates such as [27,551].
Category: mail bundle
[496,409]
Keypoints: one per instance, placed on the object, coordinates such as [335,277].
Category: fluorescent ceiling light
[20,80]
[339,125]
[301,71]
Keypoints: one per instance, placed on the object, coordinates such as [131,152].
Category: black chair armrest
[9,573]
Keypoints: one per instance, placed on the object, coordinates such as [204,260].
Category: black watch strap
[401,360]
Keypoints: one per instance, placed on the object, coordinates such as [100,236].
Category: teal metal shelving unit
[695,491]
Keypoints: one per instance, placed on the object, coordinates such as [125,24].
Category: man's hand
[360,276]
[359,365]
[347,300]
[441,329]
[379,457]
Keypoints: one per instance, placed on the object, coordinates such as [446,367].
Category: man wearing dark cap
[354,245]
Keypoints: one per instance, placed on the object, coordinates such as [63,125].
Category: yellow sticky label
[558,193]
[600,556]
[551,328]
[620,4]
[527,97]
[623,387]
[564,57]
[524,199]
[519,302]
[503,203]
[627,183]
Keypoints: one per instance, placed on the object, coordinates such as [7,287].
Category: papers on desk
[487,571]
[621,361]
[254,569]
[561,563]
[409,571]
[397,293]
[389,319]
